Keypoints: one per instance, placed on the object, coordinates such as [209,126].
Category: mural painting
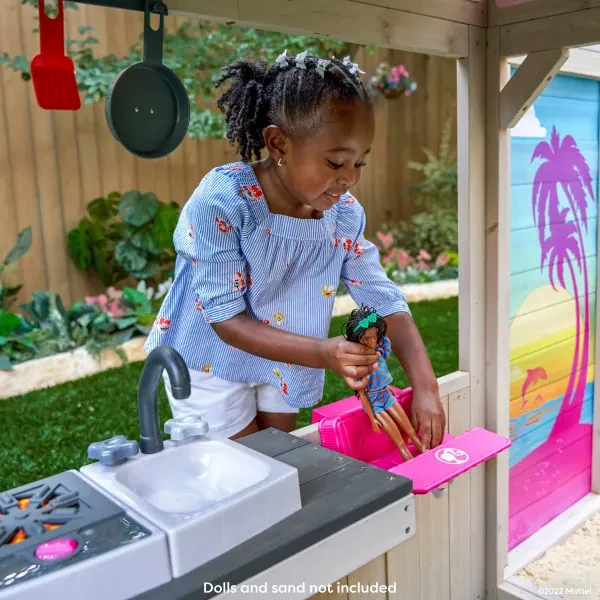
[554,190]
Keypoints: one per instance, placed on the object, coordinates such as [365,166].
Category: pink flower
[114,309]
[390,256]
[100,301]
[386,239]
[404,259]
[111,307]
[442,260]
[423,255]
[113,292]
[421,266]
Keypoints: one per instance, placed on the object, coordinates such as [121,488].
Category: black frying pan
[147,107]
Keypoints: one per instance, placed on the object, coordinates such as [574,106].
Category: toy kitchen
[198,516]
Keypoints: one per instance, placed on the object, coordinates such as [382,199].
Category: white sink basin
[208,494]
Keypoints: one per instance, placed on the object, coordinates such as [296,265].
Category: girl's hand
[428,416]
[349,360]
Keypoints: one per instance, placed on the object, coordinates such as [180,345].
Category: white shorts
[228,407]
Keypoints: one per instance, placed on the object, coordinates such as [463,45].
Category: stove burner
[56,523]
[30,513]
[54,507]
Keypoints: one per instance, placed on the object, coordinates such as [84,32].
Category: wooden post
[497,302]
[471,247]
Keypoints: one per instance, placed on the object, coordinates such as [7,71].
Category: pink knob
[55,549]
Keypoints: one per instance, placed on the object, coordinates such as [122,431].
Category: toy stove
[52,526]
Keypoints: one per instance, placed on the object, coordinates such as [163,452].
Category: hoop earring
[279,163]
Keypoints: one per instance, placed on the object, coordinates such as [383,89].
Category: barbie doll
[366,327]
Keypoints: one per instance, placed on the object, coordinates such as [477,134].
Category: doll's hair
[353,331]
[289,93]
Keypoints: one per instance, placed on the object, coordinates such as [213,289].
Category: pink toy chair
[345,428]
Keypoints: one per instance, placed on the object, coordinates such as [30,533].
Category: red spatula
[52,72]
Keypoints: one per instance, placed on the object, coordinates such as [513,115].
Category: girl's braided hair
[288,93]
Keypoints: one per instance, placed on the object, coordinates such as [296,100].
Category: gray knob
[185,427]
[114,451]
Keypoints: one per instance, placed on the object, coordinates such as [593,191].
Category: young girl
[262,247]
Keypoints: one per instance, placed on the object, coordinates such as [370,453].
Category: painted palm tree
[565,168]
[560,249]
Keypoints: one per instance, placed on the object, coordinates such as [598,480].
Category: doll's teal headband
[367,322]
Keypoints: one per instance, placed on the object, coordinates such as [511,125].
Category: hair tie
[281,60]
[352,67]
[367,322]
[321,67]
[300,60]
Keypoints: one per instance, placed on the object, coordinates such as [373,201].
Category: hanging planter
[391,82]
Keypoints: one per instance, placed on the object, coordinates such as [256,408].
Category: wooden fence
[53,164]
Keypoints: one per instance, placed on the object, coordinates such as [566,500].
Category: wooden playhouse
[528,272]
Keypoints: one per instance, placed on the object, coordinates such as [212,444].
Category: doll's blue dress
[377,391]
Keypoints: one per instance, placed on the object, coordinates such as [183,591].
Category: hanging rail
[126,4]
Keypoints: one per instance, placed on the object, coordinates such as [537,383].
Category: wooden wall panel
[54,164]
[553,280]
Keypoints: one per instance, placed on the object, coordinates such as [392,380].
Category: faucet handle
[182,428]
[113,451]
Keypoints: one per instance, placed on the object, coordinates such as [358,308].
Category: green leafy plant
[196,51]
[21,247]
[439,188]
[436,232]
[435,227]
[125,236]
[47,328]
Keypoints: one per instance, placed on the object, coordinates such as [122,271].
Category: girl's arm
[368,284]
[427,410]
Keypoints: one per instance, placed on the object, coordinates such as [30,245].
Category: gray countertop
[336,492]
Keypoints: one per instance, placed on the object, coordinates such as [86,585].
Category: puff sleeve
[207,236]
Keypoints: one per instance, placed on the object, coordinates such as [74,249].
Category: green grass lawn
[48,431]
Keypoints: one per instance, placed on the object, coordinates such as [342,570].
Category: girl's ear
[276,141]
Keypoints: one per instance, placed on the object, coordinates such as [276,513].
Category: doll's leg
[392,431]
[403,422]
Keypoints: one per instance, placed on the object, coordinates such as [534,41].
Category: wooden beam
[534,9]
[469,12]
[471,123]
[582,62]
[348,20]
[578,28]
[497,308]
[527,83]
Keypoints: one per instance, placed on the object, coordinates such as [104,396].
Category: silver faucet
[162,357]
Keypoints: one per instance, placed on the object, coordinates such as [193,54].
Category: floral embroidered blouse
[234,255]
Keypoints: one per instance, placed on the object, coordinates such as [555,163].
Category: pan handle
[153,40]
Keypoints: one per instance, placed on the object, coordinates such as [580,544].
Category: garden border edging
[70,366]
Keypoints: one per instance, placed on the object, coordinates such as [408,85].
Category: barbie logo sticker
[451,456]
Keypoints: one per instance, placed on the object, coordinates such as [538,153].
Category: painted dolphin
[533,376]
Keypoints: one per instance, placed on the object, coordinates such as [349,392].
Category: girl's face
[319,167]
[369,338]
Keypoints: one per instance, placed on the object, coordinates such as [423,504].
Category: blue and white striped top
[234,255]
